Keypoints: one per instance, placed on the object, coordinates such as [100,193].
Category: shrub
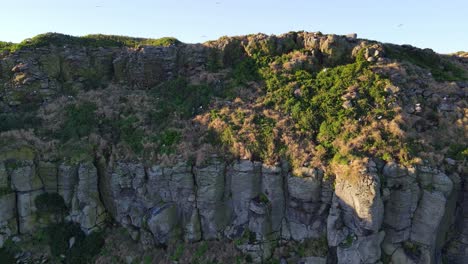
[98,40]
[50,203]
[5,190]
[84,249]
[131,134]
[244,71]
[58,237]
[167,140]
[177,97]
[80,120]
[178,252]
[24,120]
[6,256]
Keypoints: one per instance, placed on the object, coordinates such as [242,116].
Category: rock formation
[376,209]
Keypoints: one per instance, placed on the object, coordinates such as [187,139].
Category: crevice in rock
[195,193]
[17,214]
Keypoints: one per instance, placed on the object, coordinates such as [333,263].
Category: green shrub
[179,251]
[84,249]
[58,237]
[50,203]
[20,120]
[201,250]
[167,140]
[75,152]
[5,190]
[148,259]
[131,134]
[6,257]
[80,121]
[214,60]
[458,151]
[177,97]
[244,71]
[98,40]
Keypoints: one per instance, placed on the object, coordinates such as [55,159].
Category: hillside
[302,147]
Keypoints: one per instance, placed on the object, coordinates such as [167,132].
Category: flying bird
[400,25]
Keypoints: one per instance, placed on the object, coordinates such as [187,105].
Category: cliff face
[238,140]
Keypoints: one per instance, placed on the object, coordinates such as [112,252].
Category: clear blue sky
[440,25]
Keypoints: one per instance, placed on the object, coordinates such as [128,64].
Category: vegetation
[5,191]
[130,133]
[6,256]
[8,252]
[311,102]
[23,120]
[166,141]
[80,121]
[313,247]
[84,249]
[99,40]
[441,68]
[50,203]
[179,251]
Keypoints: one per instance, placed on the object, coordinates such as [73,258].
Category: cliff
[297,148]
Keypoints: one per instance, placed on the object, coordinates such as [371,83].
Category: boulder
[427,217]
[161,221]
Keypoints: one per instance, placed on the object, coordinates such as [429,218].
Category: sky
[439,25]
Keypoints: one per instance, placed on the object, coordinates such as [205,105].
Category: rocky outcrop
[254,204]
[355,219]
[381,212]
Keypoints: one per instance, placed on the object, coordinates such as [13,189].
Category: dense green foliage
[24,120]
[4,191]
[178,97]
[84,249]
[50,203]
[80,121]
[130,133]
[441,68]
[56,39]
[166,141]
[314,100]
[6,256]
[6,45]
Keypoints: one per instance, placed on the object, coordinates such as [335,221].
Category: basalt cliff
[297,148]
